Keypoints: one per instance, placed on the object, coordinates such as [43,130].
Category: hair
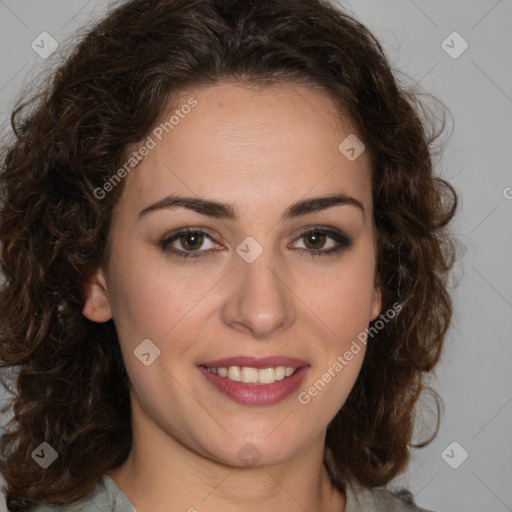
[71,386]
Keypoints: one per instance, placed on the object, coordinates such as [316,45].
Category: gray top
[107,497]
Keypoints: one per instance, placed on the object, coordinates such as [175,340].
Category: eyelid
[175,234]
[339,236]
[341,239]
[213,235]
[318,227]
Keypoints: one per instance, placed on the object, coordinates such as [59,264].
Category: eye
[316,238]
[191,240]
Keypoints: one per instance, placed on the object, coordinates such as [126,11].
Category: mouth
[255,381]
[249,375]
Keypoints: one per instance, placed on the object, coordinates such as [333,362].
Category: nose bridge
[258,298]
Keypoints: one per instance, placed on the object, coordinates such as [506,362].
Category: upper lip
[256,362]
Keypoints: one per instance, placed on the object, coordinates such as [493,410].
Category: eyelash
[342,240]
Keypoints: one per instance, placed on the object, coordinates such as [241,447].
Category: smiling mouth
[250,375]
[255,381]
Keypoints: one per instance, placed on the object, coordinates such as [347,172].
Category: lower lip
[256,394]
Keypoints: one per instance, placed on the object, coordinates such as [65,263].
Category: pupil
[319,237]
[196,241]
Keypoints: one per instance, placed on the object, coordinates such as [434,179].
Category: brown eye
[315,239]
[323,242]
[191,241]
[188,243]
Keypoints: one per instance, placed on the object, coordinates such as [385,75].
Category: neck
[160,472]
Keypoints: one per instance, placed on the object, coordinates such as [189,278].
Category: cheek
[150,297]
[342,299]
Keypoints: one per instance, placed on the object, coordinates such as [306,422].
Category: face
[265,277]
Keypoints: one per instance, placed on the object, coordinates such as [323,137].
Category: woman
[225,255]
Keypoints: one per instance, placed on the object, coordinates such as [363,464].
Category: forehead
[253,146]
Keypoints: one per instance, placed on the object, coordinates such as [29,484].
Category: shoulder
[384,498]
[363,499]
[105,497]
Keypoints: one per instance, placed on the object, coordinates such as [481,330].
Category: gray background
[474,377]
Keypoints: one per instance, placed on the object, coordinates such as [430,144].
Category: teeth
[280,372]
[266,375]
[250,375]
[234,373]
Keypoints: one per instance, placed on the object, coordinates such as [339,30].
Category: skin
[260,150]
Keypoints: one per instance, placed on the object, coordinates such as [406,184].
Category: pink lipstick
[253,380]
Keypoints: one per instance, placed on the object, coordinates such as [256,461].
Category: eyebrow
[222,210]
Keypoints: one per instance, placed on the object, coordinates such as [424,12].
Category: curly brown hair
[71,387]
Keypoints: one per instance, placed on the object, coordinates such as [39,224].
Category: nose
[259,301]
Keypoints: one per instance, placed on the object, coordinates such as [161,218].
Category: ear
[97,305]
[376,306]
